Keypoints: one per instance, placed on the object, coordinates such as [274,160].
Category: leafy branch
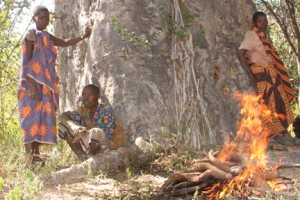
[131,35]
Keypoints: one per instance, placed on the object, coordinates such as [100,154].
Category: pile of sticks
[208,171]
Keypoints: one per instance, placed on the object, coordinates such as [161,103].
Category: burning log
[204,173]
[240,164]
[209,171]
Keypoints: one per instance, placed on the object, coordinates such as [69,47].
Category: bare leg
[36,147]
[94,148]
[32,149]
[29,148]
[76,147]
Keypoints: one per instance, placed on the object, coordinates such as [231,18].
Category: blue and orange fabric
[38,118]
[278,64]
[103,119]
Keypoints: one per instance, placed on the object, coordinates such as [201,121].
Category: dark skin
[41,21]
[261,23]
[90,100]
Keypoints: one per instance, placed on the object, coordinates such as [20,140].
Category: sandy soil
[145,183]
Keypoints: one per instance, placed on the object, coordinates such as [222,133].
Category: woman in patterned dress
[268,76]
[38,84]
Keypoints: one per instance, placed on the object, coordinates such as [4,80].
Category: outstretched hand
[87,31]
[34,92]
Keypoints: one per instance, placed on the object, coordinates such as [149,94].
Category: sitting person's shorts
[95,135]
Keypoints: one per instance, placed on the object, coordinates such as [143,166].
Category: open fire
[240,168]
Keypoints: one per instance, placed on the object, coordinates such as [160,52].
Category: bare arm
[64,117]
[246,67]
[29,49]
[68,42]
[76,128]
[34,94]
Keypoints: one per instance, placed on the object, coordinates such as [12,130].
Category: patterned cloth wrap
[37,118]
[102,128]
[274,86]
[274,96]
[278,65]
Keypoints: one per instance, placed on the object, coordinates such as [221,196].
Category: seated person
[91,129]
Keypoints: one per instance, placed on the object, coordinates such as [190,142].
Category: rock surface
[111,161]
[143,84]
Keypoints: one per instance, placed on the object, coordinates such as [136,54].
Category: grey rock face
[148,93]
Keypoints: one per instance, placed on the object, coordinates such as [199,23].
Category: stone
[192,99]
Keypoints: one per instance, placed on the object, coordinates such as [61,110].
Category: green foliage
[199,39]
[15,194]
[129,172]
[33,184]
[190,24]
[90,173]
[1,183]
[196,194]
[10,137]
[172,26]
[188,16]
[128,35]
[10,15]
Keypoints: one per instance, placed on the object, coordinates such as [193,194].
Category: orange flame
[250,142]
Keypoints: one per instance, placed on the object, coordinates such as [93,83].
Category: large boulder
[164,88]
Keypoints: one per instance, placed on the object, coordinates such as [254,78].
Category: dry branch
[288,166]
[204,171]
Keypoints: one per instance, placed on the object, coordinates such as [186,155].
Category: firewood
[260,182]
[185,184]
[174,177]
[288,166]
[212,172]
[218,163]
[189,190]
[270,174]
[236,170]
[201,173]
[232,160]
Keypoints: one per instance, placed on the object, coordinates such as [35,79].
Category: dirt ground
[144,183]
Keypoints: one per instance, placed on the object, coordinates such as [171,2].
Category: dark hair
[258,14]
[94,88]
[39,9]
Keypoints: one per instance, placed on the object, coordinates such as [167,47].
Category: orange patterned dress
[38,118]
[272,81]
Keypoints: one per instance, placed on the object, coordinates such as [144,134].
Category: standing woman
[38,84]
[268,76]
